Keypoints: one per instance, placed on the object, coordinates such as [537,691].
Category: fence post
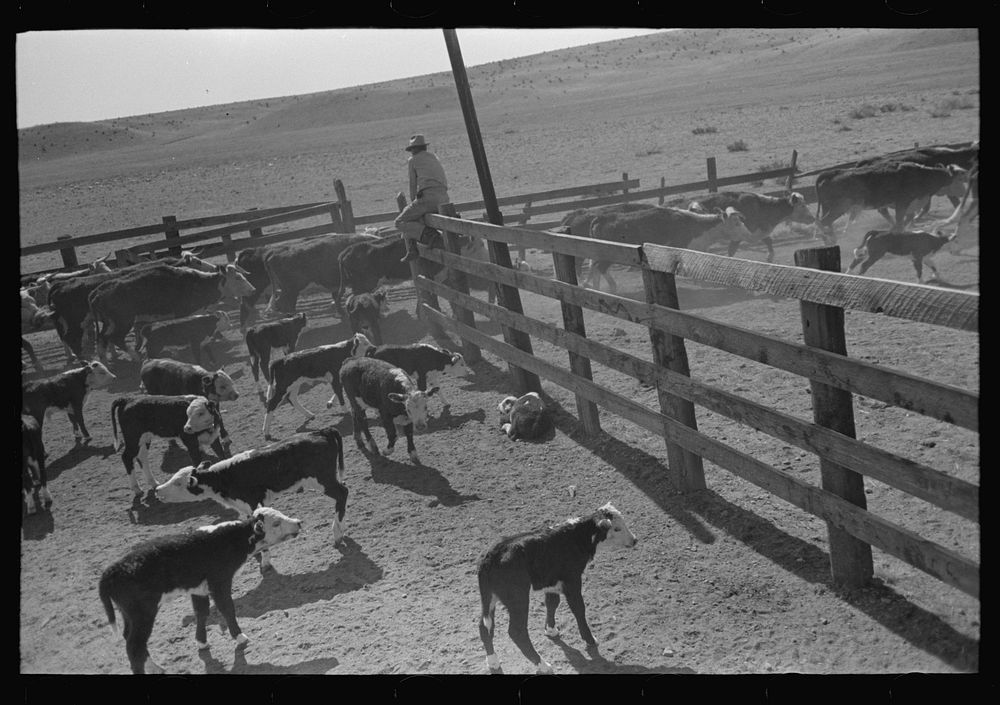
[823,327]
[346,212]
[227,242]
[172,233]
[256,232]
[663,185]
[791,176]
[712,186]
[586,410]
[625,182]
[686,469]
[460,283]
[68,253]
[338,224]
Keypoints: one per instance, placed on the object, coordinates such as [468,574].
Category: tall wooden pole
[507,296]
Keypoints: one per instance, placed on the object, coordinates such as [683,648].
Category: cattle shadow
[878,601]
[149,511]
[240,667]
[596,663]
[35,527]
[445,419]
[76,455]
[277,591]
[322,335]
[402,327]
[418,479]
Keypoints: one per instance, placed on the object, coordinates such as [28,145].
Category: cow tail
[341,287]
[116,406]
[339,463]
[109,608]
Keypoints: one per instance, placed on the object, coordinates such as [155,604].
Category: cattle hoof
[544,668]
[493,663]
[551,631]
[373,448]
[388,451]
[202,645]
[241,641]
[414,458]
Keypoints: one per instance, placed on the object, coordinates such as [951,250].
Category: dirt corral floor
[727,580]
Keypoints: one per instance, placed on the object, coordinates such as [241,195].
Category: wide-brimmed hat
[416,141]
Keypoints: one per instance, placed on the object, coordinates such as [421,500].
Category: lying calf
[34,480]
[193,331]
[254,477]
[321,363]
[195,420]
[262,337]
[201,563]
[428,363]
[171,377]
[375,384]
[551,560]
[524,417]
[66,390]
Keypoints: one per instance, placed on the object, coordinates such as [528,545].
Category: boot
[412,252]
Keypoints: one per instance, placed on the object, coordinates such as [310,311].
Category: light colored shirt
[425,172]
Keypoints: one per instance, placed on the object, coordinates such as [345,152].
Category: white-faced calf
[524,417]
[551,560]
[375,384]
[429,364]
[320,363]
[263,337]
[256,477]
[918,245]
[171,377]
[200,563]
[194,420]
[66,390]
[34,480]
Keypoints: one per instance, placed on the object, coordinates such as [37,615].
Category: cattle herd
[172,307]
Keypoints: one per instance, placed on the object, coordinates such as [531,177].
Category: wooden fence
[833,377]
[342,218]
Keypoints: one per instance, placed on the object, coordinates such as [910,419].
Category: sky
[87,75]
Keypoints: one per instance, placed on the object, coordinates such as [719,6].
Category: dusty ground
[728,580]
[725,581]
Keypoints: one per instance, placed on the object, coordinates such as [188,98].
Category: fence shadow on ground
[812,564]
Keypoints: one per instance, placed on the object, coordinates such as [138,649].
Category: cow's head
[360,345]
[455,368]
[271,527]
[29,307]
[184,486]
[364,311]
[222,323]
[100,265]
[201,415]
[218,386]
[192,261]
[800,210]
[415,404]
[233,283]
[98,375]
[616,533]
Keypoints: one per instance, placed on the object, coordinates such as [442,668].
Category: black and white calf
[166,376]
[194,331]
[524,417]
[33,478]
[66,390]
[254,478]
[320,363]
[918,245]
[200,563]
[195,420]
[551,560]
[262,337]
[429,364]
[364,311]
[375,384]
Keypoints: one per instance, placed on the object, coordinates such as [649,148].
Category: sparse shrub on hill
[704,130]
[956,104]
[738,146]
[867,110]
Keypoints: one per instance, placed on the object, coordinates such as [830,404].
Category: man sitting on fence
[428,190]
